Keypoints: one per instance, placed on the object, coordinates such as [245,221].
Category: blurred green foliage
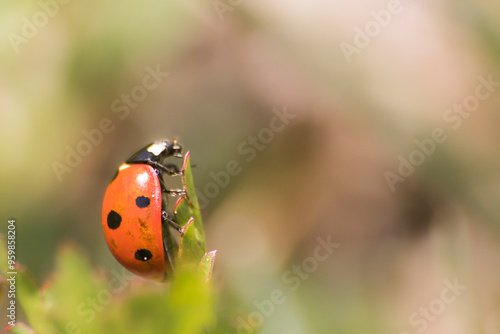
[78,299]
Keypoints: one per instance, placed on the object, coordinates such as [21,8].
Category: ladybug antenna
[177,148]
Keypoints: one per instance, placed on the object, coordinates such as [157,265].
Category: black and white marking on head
[157,148]
[142,201]
[143,255]
[114,220]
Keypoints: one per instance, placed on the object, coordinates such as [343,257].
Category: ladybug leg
[170,169]
[171,248]
[167,218]
[173,169]
[175,192]
[171,192]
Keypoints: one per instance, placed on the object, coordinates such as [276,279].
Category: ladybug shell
[131,219]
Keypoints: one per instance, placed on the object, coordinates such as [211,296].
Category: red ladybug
[134,219]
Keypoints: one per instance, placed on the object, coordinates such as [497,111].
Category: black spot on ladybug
[114,220]
[143,255]
[142,201]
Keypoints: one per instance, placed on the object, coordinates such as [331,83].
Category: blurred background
[320,103]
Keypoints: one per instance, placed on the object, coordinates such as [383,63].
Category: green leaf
[206,265]
[29,298]
[190,303]
[183,212]
[20,328]
[190,250]
[74,292]
[193,199]
[186,306]
[27,295]
[187,212]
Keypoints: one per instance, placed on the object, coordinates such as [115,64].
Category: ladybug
[134,217]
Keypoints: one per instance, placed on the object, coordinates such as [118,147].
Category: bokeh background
[230,65]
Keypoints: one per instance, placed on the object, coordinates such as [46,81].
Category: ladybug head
[165,148]
[158,151]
